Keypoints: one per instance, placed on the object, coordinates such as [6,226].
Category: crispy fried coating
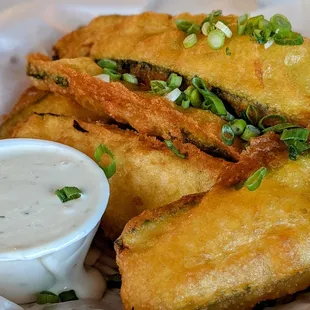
[228,250]
[148,174]
[147,113]
[275,80]
[37,101]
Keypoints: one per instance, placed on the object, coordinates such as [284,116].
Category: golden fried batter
[37,101]
[150,114]
[275,80]
[229,250]
[148,174]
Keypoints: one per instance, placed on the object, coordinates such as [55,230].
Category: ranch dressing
[43,239]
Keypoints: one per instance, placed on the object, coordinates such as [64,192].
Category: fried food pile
[210,146]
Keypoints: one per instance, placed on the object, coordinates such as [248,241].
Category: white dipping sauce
[43,242]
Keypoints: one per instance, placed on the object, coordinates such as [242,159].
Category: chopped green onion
[206,105]
[110,169]
[130,78]
[228,135]
[249,132]
[188,90]
[200,84]
[114,75]
[221,26]
[104,77]
[228,52]
[174,80]
[185,104]
[68,193]
[293,38]
[271,118]
[107,63]
[206,28]
[216,39]
[296,147]
[179,100]
[269,43]
[280,23]
[238,126]
[174,149]
[255,180]
[252,24]
[195,98]
[159,87]
[183,25]
[68,296]
[173,95]
[211,16]
[300,134]
[280,127]
[190,40]
[217,106]
[194,28]
[228,117]
[263,24]
[46,297]
[251,114]
[242,23]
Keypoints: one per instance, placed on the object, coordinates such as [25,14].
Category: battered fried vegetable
[274,80]
[148,174]
[229,251]
[38,101]
[147,113]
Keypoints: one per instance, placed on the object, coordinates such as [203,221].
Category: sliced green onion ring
[217,106]
[216,39]
[269,43]
[271,118]
[300,134]
[194,28]
[238,126]
[280,127]
[159,87]
[206,28]
[68,296]
[255,180]
[174,81]
[195,98]
[206,105]
[130,78]
[200,84]
[251,114]
[110,169]
[228,117]
[228,135]
[173,95]
[104,77]
[190,40]
[68,193]
[174,150]
[114,75]
[107,63]
[183,25]
[252,24]
[293,38]
[185,104]
[46,297]
[250,131]
[188,90]
[221,26]
[296,147]
[279,21]
[242,23]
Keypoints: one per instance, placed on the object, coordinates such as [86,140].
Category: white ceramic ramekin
[58,265]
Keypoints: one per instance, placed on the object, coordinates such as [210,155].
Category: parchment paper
[36,25]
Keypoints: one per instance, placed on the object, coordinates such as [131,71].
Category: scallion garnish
[242,23]
[228,135]
[221,26]
[280,127]
[251,114]
[187,26]
[159,87]
[103,77]
[130,78]
[300,134]
[68,193]
[173,95]
[228,117]
[185,104]
[211,16]
[114,75]
[110,169]
[249,132]
[296,147]
[206,28]
[195,98]
[293,38]
[190,40]
[255,180]
[46,297]
[280,24]
[174,81]
[194,28]
[107,63]
[271,120]
[216,39]
[269,43]
[228,52]
[238,126]
[68,296]
[174,150]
